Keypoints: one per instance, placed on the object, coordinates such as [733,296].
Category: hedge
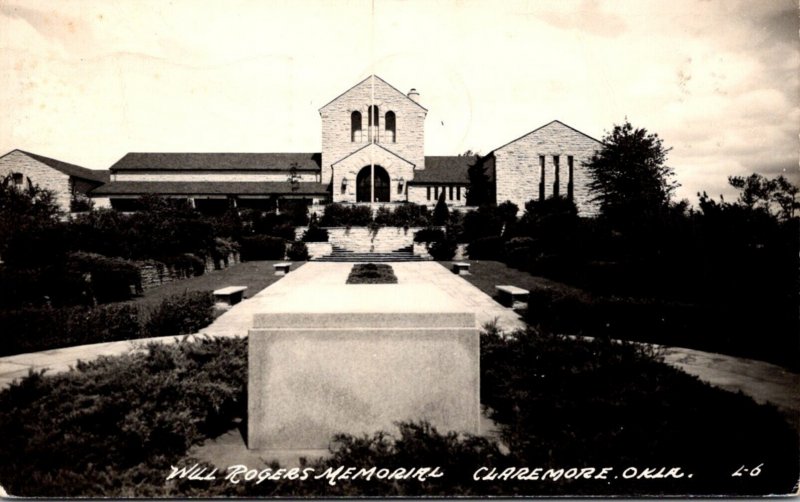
[112,279]
[263,247]
[181,314]
[486,248]
[35,329]
[298,251]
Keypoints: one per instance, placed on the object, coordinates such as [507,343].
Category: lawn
[256,275]
[485,275]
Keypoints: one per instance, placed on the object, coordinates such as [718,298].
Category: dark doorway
[364,184]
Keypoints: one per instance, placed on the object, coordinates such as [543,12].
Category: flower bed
[372,273]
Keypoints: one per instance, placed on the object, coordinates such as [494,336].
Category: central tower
[373,139]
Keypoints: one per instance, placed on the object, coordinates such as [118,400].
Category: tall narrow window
[458,193]
[541,177]
[374,123]
[556,181]
[570,163]
[451,192]
[391,127]
[436,192]
[355,127]
[428,189]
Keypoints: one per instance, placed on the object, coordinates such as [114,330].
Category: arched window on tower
[374,123]
[391,127]
[355,127]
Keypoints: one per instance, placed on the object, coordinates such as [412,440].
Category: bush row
[113,427]
[403,215]
[35,329]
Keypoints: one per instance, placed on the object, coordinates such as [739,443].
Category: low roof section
[452,170]
[143,161]
[93,175]
[199,188]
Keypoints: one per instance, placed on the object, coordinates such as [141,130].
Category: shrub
[340,215]
[113,427]
[486,248]
[298,251]
[440,212]
[482,222]
[442,250]
[53,285]
[410,215]
[315,233]
[112,279]
[223,248]
[296,210]
[371,273]
[429,234]
[614,404]
[181,314]
[187,264]
[520,251]
[263,247]
[34,329]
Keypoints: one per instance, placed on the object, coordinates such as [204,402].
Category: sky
[718,80]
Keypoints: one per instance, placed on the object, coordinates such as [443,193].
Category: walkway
[318,283]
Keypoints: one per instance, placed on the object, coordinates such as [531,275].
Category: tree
[441,213]
[29,215]
[777,197]
[480,190]
[630,180]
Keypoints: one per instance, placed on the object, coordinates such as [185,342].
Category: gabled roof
[376,145]
[96,175]
[361,82]
[547,125]
[446,170]
[142,161]
[209,188]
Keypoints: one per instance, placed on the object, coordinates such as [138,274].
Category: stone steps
[344,255]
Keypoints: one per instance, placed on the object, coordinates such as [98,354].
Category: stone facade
[534,165]
[419,194]
[519,165]
[340,140]
[40,174]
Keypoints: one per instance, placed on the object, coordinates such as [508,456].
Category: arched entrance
[364,185]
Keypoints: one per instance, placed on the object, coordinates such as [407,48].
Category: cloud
[587,18]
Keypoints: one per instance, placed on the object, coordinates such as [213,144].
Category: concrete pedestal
[312,375]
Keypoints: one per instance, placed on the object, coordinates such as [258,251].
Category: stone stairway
[340,254]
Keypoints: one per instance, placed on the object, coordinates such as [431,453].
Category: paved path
[320,281]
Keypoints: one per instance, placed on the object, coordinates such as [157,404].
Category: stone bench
[230,295]
[282,268]
[512,296]
[461,268]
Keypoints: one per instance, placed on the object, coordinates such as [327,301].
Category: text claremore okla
[236,474]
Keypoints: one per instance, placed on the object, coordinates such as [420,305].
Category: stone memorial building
[373,150]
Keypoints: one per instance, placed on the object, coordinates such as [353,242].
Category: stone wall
[39,174]
[336,128]
[154,274]
[318,249]
[518,170]
[362,239]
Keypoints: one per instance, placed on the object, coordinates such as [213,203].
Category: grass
[371,273]
[256,275]
[486,274]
